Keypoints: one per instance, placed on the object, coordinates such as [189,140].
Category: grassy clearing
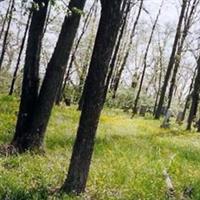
[128,161]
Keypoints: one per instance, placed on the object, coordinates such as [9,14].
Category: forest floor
[129,159]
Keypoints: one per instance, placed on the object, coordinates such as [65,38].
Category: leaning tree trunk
[62,85]
[19,56]
[4,45]
[195,97]
[54,73]
[6,18]
[116,80]
[145,62]
[30,82]
[180,49]
[110,21]
[189,95]
[171,61]
[116,50]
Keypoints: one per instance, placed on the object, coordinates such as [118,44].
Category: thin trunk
[30,83]
[179,51]
[47,19]
[195,97]
[19,56]
[4,45]
[84,72]
[110,21]
[145,62]
[5,19]
[189,96]
[116,80]
[171,60]
[159,86]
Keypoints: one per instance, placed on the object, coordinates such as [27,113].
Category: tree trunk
[19,56]
[195,97]
[189,95]
[73,56]
[30,83]
[179,51]
[116,80]
[116,50]
[4,45]
[171,60]
[110,21]
[6,18]
[145,62]
[54,73]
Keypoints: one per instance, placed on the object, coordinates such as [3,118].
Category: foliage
[128,161]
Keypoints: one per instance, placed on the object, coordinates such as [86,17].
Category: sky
[169,12]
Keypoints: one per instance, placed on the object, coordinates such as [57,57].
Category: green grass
[129,159]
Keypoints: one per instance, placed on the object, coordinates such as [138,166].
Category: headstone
[179,118]
[135,110]
[126,108]
[67,101]
[166,121]
[143,110]
[149,110]
[163,110]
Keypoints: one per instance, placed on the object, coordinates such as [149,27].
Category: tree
[187,25]
[111,16]
[171,60]
[195,97]
[73,55]
[19,56]
[4,45]
[189,95]
[33,138]
[6,18]
[117,47]
[117,78]
[145,62]
[30,84]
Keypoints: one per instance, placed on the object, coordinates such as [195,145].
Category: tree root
[8,150]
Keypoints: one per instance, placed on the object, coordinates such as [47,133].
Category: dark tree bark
[145,62]
[111,16]
[4,45]
[195,97]
[30,83]
[171,60]
[116,80]
[54,73]
[117,46]
[180,49]
[73,56]
[19,56]
[6,18]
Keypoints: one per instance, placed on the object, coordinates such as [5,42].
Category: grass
[129,159]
